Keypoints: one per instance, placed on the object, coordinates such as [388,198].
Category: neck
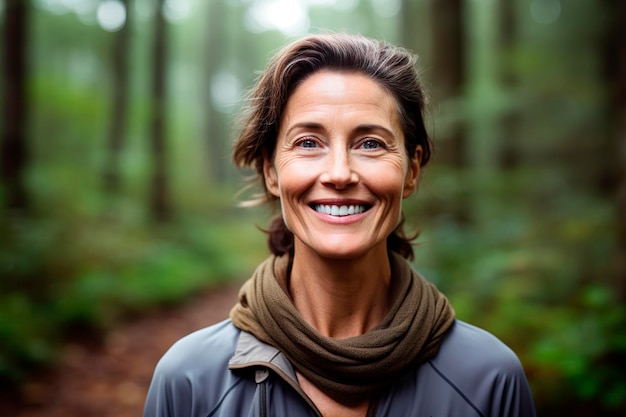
[341,298]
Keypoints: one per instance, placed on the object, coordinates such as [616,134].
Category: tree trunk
[508,154]
[448,76]
[407,36]
[414,23]
[160,207]
[616,54]
[117,128]
[13,146]
[215,132]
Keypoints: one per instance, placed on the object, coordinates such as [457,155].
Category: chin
[341,255]
[342,252]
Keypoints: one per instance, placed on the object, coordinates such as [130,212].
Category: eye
[371,144]
[306,143]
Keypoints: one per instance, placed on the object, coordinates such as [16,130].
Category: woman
[335,322]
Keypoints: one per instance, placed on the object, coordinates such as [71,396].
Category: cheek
[294,178]
[293,185]
[389,190]
[387,179]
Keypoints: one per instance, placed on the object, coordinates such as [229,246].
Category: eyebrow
[304,125]
[364,128]
[373,127]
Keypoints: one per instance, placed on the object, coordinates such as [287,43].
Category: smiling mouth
[339,211]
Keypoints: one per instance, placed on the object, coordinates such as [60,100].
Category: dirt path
[112,378]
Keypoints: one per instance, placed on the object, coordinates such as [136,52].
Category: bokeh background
[118,195]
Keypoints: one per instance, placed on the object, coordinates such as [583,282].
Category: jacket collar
[253,353]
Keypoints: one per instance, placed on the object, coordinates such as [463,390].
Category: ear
[271,178]
[413,173]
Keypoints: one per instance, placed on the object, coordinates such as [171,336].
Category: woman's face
[340,167]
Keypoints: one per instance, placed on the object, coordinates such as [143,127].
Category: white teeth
[339,210]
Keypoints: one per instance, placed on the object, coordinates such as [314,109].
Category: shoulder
[483,371]
[474,374]
[487,352]
[193,374]
[208,347]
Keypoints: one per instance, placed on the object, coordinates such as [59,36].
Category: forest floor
[111,377]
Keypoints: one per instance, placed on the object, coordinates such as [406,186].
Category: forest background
[118,195]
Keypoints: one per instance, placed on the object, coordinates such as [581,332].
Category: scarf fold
[353,369]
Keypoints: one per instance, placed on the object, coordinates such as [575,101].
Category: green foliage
[26,337]
[81,275]
[584,349]
[534,266]
[523,249]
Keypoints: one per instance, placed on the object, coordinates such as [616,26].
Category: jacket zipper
[263,399]
[260,378]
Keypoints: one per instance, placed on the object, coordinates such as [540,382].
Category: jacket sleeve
[192,376]
[511,395]
[483,374]
[170,394]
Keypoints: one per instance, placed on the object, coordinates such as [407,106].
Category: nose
[338,171]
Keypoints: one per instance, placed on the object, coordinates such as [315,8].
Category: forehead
[336,82]
[341,94]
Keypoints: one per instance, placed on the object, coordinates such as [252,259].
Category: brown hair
[391,66]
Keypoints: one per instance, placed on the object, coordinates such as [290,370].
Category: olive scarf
[353,369]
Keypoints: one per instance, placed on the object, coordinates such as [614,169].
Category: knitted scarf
[353,369]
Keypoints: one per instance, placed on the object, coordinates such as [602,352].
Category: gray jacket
[221,371]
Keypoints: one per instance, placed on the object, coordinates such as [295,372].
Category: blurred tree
[119,104]
[215,129]
[407,29]
[508,153]
[160,204]
[616,54]
[13,146]
[448,77]
[413,24]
